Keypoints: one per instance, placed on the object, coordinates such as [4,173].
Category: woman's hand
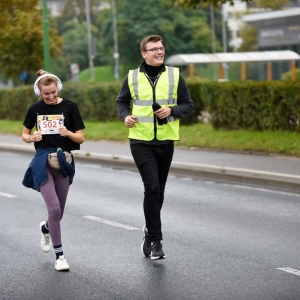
[36,136]
[77,136]
[29,138]
[63,131]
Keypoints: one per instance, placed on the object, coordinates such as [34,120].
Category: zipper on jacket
[153,85]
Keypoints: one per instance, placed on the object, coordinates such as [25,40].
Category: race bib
[49,124]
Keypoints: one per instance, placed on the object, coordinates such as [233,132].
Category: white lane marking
[263,190]
[7,195]
[290,270]
[115,224]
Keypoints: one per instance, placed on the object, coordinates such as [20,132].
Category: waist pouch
[53,159]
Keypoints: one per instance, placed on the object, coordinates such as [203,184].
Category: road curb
[239,178]
[193,171]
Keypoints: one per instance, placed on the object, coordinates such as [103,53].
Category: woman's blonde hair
[46,80]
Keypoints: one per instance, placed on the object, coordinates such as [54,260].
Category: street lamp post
[224,40]
[46,37]
[116,48]
[90,51]
[213,36]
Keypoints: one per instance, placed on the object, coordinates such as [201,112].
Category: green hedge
[96,101]
[254,105]
[230,105]
[288,75]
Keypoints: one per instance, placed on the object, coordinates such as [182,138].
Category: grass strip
[195,136]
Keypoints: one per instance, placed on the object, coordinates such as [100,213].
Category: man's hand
[130,121]
[163,112]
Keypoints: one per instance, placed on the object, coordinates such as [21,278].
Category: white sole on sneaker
[63,268]
[61,264]
[158,257]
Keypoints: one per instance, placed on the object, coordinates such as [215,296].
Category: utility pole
[46,37]
[213,37]
[224,39]
[116,48]
[90,51]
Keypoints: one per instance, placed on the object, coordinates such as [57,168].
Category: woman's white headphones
[36,88]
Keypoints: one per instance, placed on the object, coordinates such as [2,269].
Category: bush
[233,105]
[254,105]
[288,75]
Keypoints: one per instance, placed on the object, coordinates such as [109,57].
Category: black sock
[59,254]
[58,251]
[44,230]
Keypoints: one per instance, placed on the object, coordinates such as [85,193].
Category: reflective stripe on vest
[142,99]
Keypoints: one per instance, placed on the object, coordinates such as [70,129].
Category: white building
[234,23]
[55,7]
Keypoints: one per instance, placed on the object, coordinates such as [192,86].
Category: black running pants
[153,163]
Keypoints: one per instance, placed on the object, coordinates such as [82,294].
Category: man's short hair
[148,39]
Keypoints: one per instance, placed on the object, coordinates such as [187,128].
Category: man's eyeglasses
[156,49]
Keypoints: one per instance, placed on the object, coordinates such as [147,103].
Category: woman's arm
[77,136]
[26,135]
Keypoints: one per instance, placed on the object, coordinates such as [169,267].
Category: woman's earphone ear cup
[36,88]
[59,85]
[36,91]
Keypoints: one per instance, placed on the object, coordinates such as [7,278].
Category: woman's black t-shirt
[72,121]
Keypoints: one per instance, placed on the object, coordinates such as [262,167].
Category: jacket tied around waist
[36,173]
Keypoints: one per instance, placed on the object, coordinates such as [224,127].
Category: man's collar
[143,67]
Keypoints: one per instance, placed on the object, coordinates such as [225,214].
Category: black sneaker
[146,245]
[157,251]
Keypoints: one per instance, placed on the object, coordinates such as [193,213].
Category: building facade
[278,30]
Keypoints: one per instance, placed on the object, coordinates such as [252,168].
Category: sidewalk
[264,171]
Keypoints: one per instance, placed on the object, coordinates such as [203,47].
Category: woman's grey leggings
[54,192]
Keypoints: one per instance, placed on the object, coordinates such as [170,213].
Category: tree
[271,4]
[249,37]
[75,49]
[21,38]
[183,30]
[218,26]
[8,6]
[72,27]
[215,3]
[75,10]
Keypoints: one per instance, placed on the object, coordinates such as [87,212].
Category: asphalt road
[221,241]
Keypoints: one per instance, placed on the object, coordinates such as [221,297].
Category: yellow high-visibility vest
[144,95]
